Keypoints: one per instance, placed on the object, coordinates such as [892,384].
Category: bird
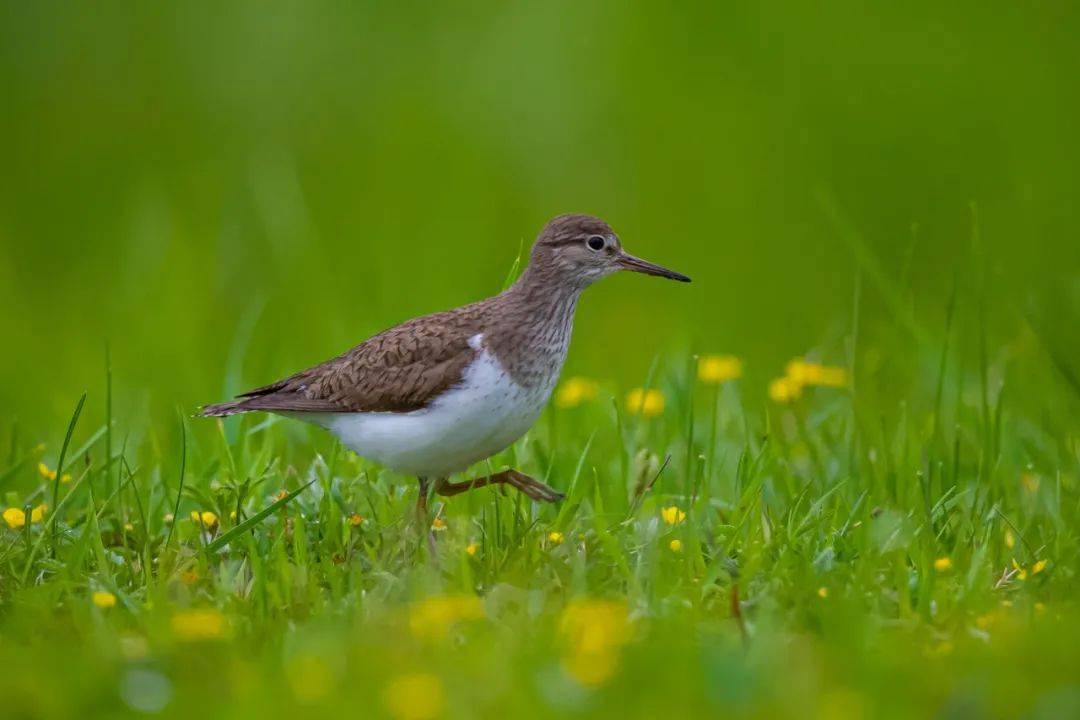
[434,395]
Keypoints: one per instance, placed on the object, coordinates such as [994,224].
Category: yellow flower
[15,518]
[593,632]
[943,564]
[575,391]
[414,697]
[1021,573]
[1030,481]
[802,372]
[784,390]
[719,368]
[471,549]
[281,494]
[189,577]
[648,403]
[823,592]
[675,545]
[48,474]
[1038,567]
[672,515]
[207,519]
[103,599]
[198,624]
[355,520]
[438,524]
[1010,541]
[555,537]
[432,618]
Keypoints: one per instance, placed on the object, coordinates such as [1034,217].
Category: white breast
[481,416]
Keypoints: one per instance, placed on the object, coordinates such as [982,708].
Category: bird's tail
[234,407]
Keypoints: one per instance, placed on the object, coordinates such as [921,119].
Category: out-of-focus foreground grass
[222,195]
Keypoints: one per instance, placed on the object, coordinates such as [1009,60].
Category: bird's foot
[532,488]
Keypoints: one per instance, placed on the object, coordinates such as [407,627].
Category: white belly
[481,416]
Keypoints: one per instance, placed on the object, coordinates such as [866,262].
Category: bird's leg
[421,500]
[422,522]
[535,489]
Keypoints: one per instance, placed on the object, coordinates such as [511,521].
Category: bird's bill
[636,264]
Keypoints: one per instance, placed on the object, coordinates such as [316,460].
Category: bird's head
[581,249]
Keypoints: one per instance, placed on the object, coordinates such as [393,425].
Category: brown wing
[398,370]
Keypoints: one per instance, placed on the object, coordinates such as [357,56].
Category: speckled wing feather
[398,370]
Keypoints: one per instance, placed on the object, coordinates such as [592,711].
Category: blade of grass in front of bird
[180,487]
[254,520]
[511,276]
[60,463]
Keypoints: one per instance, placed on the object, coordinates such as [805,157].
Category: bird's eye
[595,242]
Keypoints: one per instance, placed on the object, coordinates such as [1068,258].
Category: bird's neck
[536,318]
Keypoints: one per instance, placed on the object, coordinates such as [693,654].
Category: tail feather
[224,409]
[274,402]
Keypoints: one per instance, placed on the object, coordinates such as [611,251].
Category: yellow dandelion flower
[1030,481]
[943,564]
[199,624]
[1038,567]
[207,519]
[471,549]
[575,391]
[103,599]
[414,697]
[672,515]
[45,472]
[784,390]
[648,403]
[555,537]
[675,545]
[433,618]
[438,524]
[1010,541]
[355,520]
[15,518]
[593,633]
[1021,573]
[823,592]
[719,368]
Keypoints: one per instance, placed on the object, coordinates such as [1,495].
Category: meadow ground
[790,556]
[224,193]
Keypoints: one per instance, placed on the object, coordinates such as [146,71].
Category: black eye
[595,242]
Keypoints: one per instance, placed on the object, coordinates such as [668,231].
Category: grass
[828,557]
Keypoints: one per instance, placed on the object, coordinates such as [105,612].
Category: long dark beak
[629,262]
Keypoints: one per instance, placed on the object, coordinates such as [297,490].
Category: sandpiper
[434,395]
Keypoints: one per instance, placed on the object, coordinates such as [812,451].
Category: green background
[268,184]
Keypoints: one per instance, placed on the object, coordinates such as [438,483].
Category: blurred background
[227,193]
